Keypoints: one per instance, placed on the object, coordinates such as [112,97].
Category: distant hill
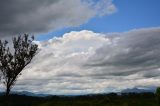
[139,90]
[26,93]
[31,94]
[129,90]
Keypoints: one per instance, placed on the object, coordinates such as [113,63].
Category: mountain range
[128,90]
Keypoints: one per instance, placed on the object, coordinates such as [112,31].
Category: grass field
[131,99]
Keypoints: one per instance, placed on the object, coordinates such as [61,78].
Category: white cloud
[87,62]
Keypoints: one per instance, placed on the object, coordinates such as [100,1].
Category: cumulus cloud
[87,62]
[38,16]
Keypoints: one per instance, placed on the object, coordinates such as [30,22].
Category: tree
[158,95]
[13,61]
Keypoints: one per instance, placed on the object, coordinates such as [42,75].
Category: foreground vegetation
[131,99]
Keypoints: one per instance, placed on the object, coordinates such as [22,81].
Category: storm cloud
[129,52]
[87,62]
[41,16]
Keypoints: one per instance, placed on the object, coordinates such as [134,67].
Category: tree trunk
[7,100]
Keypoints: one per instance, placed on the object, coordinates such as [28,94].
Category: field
[131,99]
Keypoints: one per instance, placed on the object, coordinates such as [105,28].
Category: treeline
[125,99]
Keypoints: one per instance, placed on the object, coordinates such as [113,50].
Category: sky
[127,16]
[86,46]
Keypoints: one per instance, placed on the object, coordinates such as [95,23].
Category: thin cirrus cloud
[41,16]
[87,62]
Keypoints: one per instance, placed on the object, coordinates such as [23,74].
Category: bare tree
[13,60]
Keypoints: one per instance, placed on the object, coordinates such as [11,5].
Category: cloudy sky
[86,46]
